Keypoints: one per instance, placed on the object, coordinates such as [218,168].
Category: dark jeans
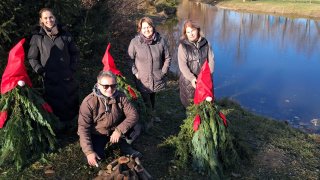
[149,100]
[100,141]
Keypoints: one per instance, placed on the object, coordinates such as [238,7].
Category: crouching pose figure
[107,115]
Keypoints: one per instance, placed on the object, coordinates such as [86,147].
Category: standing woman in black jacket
[54,56]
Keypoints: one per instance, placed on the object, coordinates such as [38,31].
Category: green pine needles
[137,102]
[210,147]
[28,130]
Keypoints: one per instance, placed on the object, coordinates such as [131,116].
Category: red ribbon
[132,92]
[224,119]
[196,123]
[3,118]
[47,107]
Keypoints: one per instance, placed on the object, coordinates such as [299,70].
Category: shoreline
[287,9]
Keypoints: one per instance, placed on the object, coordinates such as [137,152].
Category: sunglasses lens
[108,86]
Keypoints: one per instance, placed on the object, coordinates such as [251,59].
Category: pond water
[269,64]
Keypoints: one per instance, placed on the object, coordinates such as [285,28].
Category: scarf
[147,40]
[52,33]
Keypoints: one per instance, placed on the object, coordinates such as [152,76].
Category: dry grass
[284,8]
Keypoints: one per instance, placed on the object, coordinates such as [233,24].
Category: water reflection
[268,63]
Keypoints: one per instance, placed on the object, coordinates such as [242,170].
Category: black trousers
[100,141]
[149,99]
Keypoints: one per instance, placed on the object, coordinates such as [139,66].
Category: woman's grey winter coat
[151,62]
[58,59]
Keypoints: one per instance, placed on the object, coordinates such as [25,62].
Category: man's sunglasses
[113,86]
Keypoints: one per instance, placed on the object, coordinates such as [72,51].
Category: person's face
[192,34]
[48,19]
[146,30]
[107,86]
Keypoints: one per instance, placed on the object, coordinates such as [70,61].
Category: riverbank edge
[286,9]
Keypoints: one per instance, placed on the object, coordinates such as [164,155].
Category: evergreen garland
[28,130]
[210,147]
[136,101]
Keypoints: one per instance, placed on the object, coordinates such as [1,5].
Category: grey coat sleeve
[183,66]
[167,58]
[210,58]
[131,55]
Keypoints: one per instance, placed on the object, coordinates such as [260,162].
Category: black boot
[126,149]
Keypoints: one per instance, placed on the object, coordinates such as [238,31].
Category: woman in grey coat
[193,51]
[54,56]
[149,60]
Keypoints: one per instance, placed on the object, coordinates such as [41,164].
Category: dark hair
[104,74]
[147,20]
[192,24]
[43,10]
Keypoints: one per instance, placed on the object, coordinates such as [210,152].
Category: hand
[137,76]
[44,74]
[114,138]
[194,83]
[92,159]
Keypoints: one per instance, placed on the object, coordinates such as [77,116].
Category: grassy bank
[293,9]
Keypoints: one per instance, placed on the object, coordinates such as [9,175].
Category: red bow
[3,118]
[224,119]
[47,107]
[132,92]
[196,123]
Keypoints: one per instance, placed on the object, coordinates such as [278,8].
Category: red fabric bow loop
[47,107]
[3,118]
[224,119]
[132,92]
[196,123]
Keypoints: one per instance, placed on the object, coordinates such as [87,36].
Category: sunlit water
[269,64]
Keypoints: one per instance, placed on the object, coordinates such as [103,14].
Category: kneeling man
[107,115]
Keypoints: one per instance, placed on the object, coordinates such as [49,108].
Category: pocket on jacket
[158,75]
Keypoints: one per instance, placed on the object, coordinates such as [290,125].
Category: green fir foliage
[28,130]
[138,103]
[211,147]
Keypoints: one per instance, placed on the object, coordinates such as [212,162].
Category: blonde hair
[192,24]
[147,20]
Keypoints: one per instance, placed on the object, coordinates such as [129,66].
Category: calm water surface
[269,64]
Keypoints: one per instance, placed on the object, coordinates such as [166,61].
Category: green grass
[285,8]
[271,148]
